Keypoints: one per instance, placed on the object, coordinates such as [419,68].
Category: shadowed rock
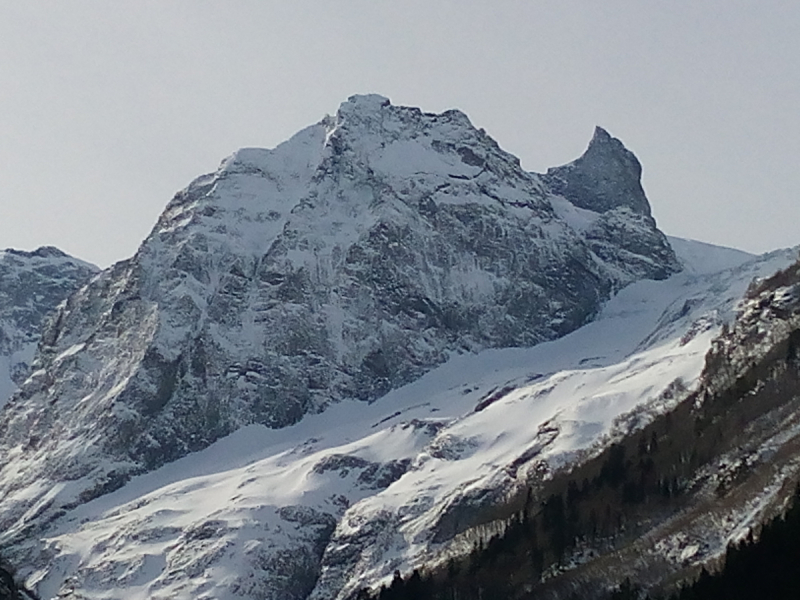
[606,176]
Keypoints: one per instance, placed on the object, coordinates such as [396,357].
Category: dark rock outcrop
[346,262]
[32,284]
[605,177]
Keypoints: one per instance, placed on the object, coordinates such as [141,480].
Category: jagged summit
[42,251]
[48,257]
[344,263]
[606,176]
[363,103]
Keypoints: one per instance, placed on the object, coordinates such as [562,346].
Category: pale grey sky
[108,108]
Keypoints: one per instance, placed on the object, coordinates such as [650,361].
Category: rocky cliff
[344,263]
[32,284]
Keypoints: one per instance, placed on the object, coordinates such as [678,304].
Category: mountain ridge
[234,494]
[278,309]
[368,270]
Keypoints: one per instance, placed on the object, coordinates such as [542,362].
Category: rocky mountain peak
[404,141]
[363,104]
[344,263]
[606,176]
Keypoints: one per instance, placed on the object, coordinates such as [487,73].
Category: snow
[580,219]
[701,258]
[552,403]
[240,517]
[22,355]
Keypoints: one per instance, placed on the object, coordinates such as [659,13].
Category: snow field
[215,522]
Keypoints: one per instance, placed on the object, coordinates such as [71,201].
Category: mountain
[348,355]
[32,284]
[343,498]
[680,493]
[344,263]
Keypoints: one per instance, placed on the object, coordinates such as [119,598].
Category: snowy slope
[360,490]
[344,263]
[701,258]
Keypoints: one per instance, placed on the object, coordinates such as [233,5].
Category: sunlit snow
[205,525]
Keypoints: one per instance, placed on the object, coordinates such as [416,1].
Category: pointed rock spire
[606,176]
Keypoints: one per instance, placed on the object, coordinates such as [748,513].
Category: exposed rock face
[606,177]
[8,587]
[32,284]
[345,262]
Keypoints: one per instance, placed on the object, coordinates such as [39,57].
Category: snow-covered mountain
[343,498]
[32,284]
[330,360]
[346,262]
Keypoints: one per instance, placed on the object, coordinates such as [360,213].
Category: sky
[109,108]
